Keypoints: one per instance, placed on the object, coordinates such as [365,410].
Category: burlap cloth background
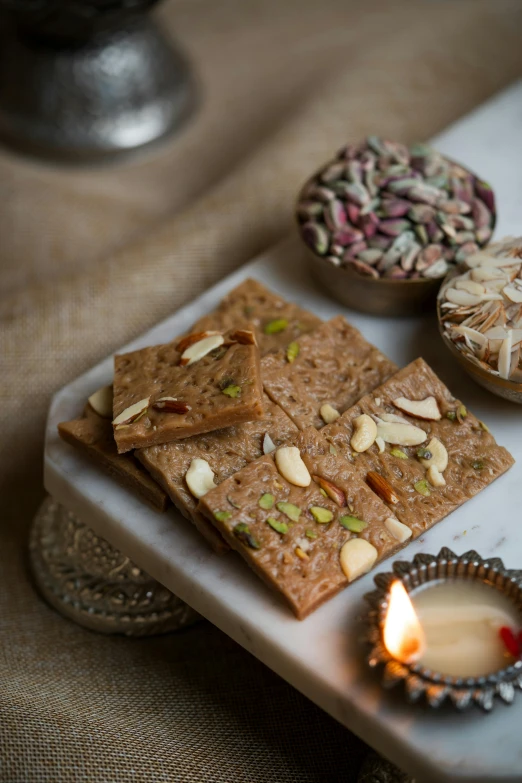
[90,258]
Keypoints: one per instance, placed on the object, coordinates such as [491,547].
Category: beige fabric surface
[91,257]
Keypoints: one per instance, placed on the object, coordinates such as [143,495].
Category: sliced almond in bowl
[200,478]
[291,466]
[427,409]
[101,402]
[133,412]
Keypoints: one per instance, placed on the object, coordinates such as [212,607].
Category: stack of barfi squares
[293,441]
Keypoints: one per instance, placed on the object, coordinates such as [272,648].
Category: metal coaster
[95,585]
[420,681]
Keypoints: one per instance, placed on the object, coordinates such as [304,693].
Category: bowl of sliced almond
[480,317]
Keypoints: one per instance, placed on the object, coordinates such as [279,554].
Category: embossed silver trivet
[90,582]
[420,681]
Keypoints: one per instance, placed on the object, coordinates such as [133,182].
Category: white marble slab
[321,656]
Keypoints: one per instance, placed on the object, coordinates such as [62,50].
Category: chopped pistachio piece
[289,510]
[477,464]
[483,426]
[462,412]
[353,524]
[242,532]
[398,453]
[232,391]
[266,501]
[323,493]
[276,326]
[311,534]
[333,450]
[321,515]
[233,502]
[292,352]
[424,453]
[451,415]
[275,524]
[222,516]
[422,487]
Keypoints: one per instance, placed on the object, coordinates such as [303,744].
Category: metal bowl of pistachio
[384,223]
[479,311]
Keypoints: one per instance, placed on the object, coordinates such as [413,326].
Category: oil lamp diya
[448,626]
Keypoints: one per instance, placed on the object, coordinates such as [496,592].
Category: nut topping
[243,337]
[200,478]
[439,455]
[171,405]
[334,493]
[101,402]
[328,413]
[365,433]
[426,409]
[291,466]
[400,434]
[196,337]
[200,348]
[381,487]
[268,444]
[397,529]
[132,413]
[435,477]
[357,557]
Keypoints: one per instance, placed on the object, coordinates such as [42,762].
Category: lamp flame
[403,635]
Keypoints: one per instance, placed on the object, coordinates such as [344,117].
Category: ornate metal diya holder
[419,680]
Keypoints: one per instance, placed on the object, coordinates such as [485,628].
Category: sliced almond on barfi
[131,413]
[268,444]
[397,529]
[171,405]
[401,434]
[427,409]
[291,466]
[101,402]
[335,493]
[365,432]
[200,478]
[244,337]
[357,557]
[195,337]
[439,455]
[198,350]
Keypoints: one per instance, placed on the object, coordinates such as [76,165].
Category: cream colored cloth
[89,258]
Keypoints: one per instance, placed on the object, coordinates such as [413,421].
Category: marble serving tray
[321,656]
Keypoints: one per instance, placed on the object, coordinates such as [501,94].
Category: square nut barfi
[324,373]
[305,542]
[204,382]
[277,322]
[431,454]
[224,451]
[93,436]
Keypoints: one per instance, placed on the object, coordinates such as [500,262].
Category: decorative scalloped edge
[419,681]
